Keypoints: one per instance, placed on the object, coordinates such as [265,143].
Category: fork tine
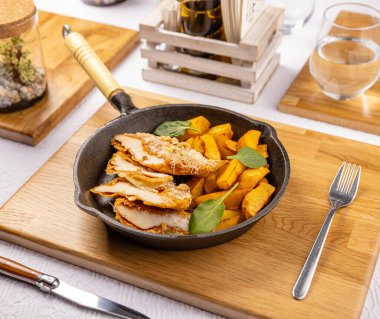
[355,185]
[338,177]
[349,179]
[344,178]
[343,182]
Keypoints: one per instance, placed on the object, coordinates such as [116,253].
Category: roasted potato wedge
[263,150]
[211,148]
[256,199]
[251,177]
[197,144]
[220,140]
[222,129]
[233,201]
[250,139]
[196,186]
[210,180]
[231,145]
[199,122]
[230,174]
[228,213]
[227,223]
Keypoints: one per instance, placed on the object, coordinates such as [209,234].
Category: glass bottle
[22,69]
[201,18]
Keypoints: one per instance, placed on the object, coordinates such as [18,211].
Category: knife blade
[60,288]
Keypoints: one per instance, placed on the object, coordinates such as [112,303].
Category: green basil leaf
[249,157]
[174,128]
[208,214]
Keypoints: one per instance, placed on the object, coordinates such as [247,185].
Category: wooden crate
[254,58]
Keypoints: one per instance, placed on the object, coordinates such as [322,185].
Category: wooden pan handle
[18,271]
[91,63]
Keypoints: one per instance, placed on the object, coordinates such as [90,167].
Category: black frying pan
[94,154]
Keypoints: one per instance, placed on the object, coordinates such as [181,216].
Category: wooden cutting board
[305,98]
[67,82]
[249,277]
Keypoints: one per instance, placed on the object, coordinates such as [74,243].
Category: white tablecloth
[18,163]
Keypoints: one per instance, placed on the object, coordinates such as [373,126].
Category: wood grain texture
[249,277]
[305,98]
[67,82]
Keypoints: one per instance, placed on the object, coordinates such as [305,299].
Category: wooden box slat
[250,277]
[225,90]
[250,73]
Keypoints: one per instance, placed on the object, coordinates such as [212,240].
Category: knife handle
[18,271]
[21,272]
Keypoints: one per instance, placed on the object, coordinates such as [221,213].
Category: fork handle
[307,273]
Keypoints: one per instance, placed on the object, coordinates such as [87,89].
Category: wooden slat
[237,72]
[225,90]
[263,30]
[67,82]
[249,277]
[207,45]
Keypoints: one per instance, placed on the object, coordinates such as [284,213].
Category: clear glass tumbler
[297,13]
[346,60]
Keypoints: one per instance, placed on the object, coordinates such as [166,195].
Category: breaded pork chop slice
[152,219]
[172,197]
[122,165]
[165,154]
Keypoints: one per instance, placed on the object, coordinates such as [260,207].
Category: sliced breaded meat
[165,154]
[173,197]
[136,174]
[146,217]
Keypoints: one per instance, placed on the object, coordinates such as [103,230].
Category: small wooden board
[67,82]
[305,98]
[249,277]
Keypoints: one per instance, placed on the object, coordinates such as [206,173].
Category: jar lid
[16,17]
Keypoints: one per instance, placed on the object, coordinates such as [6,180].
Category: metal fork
[342,192]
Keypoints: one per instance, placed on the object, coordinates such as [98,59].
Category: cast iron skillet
[94,154]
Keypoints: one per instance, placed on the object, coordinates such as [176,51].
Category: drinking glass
[346,60]
[297,13]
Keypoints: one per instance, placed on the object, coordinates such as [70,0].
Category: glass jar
[102,3]
[22,69]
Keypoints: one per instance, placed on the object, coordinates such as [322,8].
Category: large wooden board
[67,82]
[305,98]
[249,277]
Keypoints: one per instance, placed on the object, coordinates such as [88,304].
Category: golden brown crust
[178,157]
[162,229]
[177,197]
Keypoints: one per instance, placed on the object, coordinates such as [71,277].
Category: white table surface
[19,162]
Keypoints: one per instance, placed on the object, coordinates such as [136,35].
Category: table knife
[53,285]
